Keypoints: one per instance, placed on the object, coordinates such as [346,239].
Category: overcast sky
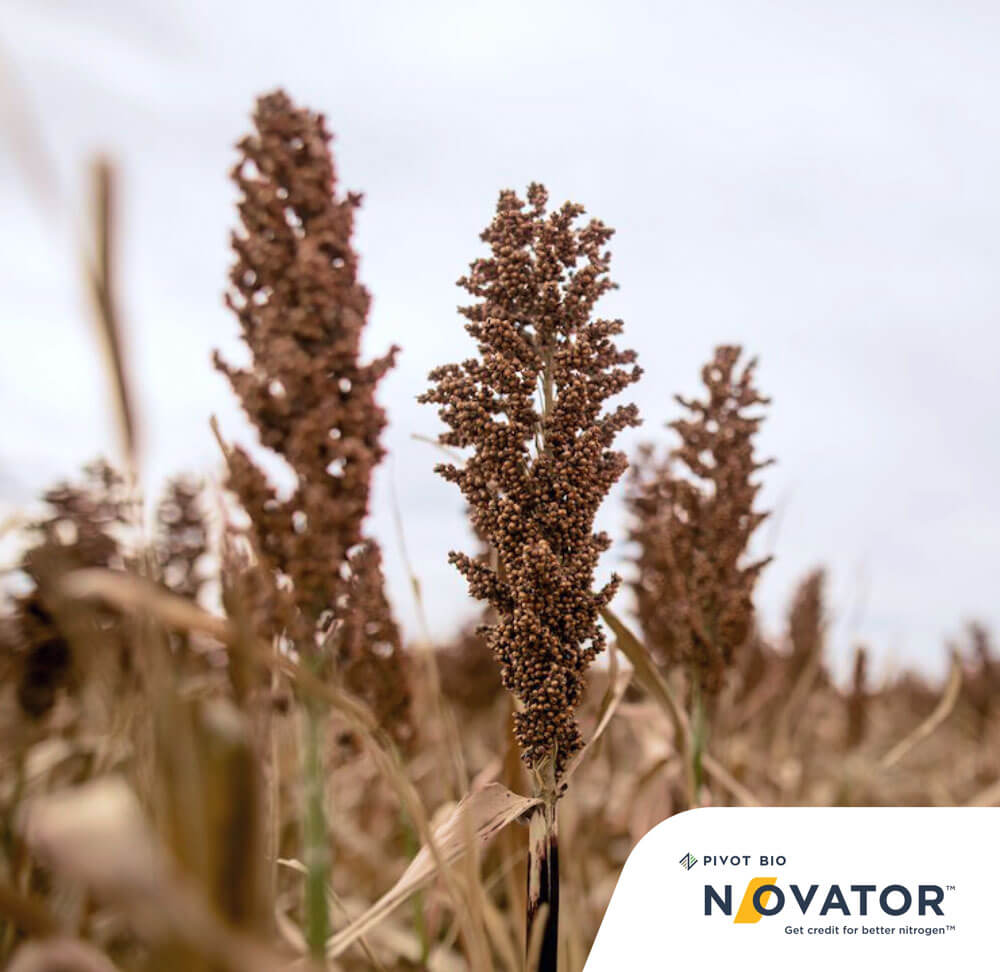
[816,181]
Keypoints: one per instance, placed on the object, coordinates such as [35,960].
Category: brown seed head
[857,700]
[182,537]
[302,312]
[369,655]
[693,517]
[807,623]
[83,528]
[530,408]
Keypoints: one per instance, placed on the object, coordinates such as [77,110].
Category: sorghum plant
[530,408]
[982,681]
[182,537]
[807,625]
[83,528]
[302,312]
[369,650]
[693,517]
[857,700]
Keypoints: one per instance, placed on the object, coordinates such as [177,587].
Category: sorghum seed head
[692,519]
[302,312]
[530,408]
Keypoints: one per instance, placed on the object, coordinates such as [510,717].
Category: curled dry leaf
[941,712]
[609,705]
[654,683]
[646,673]
[482,815]
[129,592]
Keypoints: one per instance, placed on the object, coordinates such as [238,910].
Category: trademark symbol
[949,928]
[949,887]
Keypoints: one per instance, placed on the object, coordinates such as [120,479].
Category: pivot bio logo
[818,888]
[764,897]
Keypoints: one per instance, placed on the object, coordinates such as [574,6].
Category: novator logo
[764,897]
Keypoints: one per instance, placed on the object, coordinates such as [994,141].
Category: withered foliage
[530,408]
[693,516]
[302,313]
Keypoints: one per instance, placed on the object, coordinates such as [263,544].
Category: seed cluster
[302,313]
[692,519]
[530,408]
[83,529]
[182,538]
[370,658]
[469,675]
[807,623]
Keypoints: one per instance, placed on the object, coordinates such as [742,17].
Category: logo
[764,897]
[688,861]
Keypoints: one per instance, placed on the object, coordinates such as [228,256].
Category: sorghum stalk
[530,411]
[857,700]
[693,518]
[302,312]
[316,841]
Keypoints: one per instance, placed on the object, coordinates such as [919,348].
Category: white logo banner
[816,888]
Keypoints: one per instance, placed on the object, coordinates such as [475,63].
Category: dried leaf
[100,276]
[646,672]
[941,712]
[609,704]
[131,593]
[654,683]
[482,814]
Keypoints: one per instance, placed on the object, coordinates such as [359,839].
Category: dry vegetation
[216,752]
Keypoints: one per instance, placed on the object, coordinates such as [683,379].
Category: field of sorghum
[218,752]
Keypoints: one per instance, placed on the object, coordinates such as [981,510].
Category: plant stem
[699,729]
[316,850]
[543,887]
[411,845]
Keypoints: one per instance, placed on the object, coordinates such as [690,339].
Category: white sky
[816,181]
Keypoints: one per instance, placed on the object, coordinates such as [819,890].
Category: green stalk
[411,845]
[316,840]
[699,734]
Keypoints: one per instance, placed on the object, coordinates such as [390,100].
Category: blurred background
[814,181]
